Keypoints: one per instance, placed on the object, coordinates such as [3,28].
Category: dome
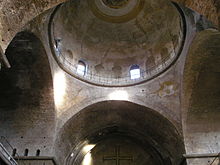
[108,37]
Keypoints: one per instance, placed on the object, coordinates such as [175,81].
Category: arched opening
[112,131]
[14,152]
[26,152]
[38,152]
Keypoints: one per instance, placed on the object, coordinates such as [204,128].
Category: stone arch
[16,14]
[26,100]
[108,117]
[201,95]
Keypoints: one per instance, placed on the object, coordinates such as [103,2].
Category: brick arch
[26,100]
[132,119]
[201,94]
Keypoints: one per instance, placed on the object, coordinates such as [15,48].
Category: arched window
[14,152]
[38,152]
[135,72]
[26,152]
[81,68]
[57,46]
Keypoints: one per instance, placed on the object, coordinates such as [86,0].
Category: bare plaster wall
[161,94]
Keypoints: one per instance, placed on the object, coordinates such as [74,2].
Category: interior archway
[121,120]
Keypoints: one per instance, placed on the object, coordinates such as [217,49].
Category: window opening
[81,68]
[135,72]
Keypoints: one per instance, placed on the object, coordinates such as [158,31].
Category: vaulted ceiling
[14,14]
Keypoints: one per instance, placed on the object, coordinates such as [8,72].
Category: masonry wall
[26,100]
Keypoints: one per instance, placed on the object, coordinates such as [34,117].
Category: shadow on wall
[26,97]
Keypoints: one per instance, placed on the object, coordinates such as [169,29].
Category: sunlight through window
[135,72]
[81,68]
[118,95]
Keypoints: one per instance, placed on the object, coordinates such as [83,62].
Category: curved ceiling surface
[110,36]
[100,121]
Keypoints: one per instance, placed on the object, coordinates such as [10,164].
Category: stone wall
[35,161]
[26,100]
[14,14]
[209,8]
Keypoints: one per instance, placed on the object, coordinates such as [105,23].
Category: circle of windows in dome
[112,73]
[135,72]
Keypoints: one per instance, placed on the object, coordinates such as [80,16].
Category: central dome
[109,37]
